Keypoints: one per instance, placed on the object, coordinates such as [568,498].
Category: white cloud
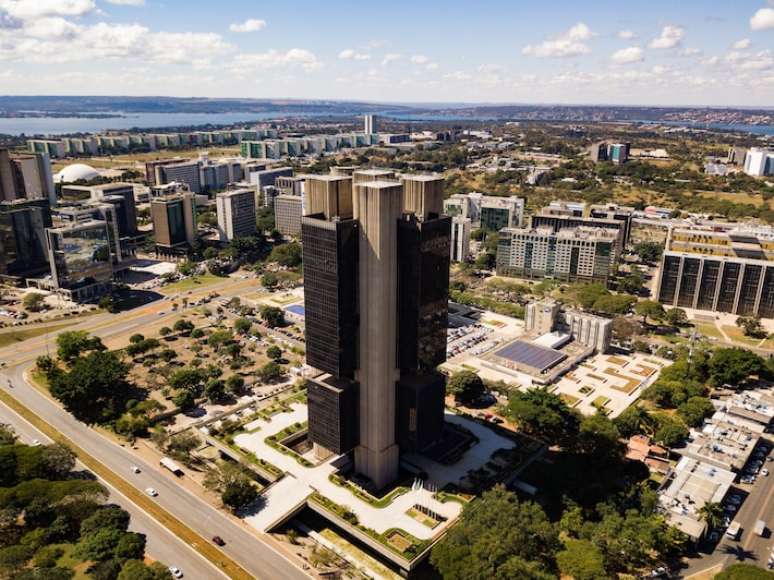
[762,60]
[489,68]
[569,43]
[742,44]
[690,52]
[127,2]
[351,54]
[670,37]
[420,59]
[628,55]
[52,28]
[711,61]
[457,76]
[28,9]
[295,57]
[763,19]
[431,66]
[249,25]
[627,35]
[390,57]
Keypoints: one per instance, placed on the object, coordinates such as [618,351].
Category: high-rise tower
[376,271]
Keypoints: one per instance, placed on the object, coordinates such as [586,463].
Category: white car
[135,469]
[764,472]
[176,572]
[151,492]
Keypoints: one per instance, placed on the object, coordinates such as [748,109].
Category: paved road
[161,545]
[242,544]
[750,548]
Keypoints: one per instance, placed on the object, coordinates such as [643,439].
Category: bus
[172,466]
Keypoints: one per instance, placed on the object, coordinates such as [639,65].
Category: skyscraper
[376,268]
[369,124]
[236,213]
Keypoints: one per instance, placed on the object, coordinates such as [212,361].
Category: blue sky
[681,52]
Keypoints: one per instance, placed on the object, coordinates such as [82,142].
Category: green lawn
[708,330]
[737,335]
[193,283]
[10,337]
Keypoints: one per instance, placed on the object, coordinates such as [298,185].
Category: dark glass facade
[330,294]
[420,409]
[423,292]
[670,274]
[710,275]
[688,282]
[494,218]
[748,292]
[333,413]
[728,285]
[22,237]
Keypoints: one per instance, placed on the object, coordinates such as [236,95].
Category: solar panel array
[532,355]
[296,309]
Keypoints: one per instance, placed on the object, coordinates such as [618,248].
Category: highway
[161,545]
[243,544]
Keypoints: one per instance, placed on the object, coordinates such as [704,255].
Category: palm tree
[712,514]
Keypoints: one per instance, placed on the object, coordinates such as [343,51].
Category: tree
[269,280]
[242,326]
[751,326]
[188,379]
[273,317]
[109,517]
[274,352]
[183,326]
[239,493]
[72,344]
[108,304]
[235,384]
[614,304]
[465,387]
[582,560]
[137,570]
[165,331]
[545,415]
[670,431]
[632,421]
[95,387]
[631,284]
[676,316]
[695,410]
[649,309]
[649,252]
[13,558]
[57,460]
[210,253]
[599,437]
[34,302]
[498,537]
[7,435]
[288,255]
[215,390]
[185,400]
[180,446]
[136,338]
[733,366]
[712,514]
[270,372]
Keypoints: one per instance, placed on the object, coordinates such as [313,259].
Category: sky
[640,52]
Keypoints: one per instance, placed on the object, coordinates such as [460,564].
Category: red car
[218,540]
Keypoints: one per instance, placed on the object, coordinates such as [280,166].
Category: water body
[735,127]
[64,125]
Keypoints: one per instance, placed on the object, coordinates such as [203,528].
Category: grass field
[10,337]
[737,335]
[193,283]
[708,331]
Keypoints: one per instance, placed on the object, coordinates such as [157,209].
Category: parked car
[218,540]
[765,472]
[175,571]
[151,492]
[135,469]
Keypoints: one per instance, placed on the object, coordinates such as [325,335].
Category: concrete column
[739,288]
[377,207]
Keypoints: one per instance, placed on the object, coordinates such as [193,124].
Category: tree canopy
[465,386]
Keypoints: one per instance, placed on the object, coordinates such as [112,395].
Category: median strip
[182,531]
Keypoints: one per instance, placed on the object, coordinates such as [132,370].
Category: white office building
[460,239]
[236,214]
[759,162]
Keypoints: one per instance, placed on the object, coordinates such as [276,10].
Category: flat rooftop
[532,355]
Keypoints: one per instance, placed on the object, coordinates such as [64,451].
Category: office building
[545,316]
[460,239]
[152,175]
[571,254]
[612,211]
[376,299]
[81,259]
[23,226]
[290,185]
[719,270]
[236,214]
[102,211]
[288,210]
[759,162]
[369,124]
[53,148]
[268,177]
[558,221]
[598,151]
[174,223]
[618,152]
[188,172]
[25,176]
[120,195]
[486,211]
[565,208]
